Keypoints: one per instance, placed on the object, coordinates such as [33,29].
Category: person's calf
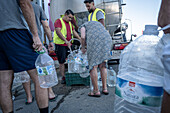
[41,93]
[6,78]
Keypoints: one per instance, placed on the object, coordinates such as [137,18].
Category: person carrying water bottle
[17,53]
[163,20]
[98,41]
[41,19]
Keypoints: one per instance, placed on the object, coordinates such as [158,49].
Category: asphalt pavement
[71,99]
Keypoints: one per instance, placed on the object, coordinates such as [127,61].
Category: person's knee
[33,74]
[102,65]
[95,67]
[6,78]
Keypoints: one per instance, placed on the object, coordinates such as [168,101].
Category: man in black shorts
[63,33]
[17,53]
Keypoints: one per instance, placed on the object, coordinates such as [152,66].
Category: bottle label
[43,71]
[78,60]
[139,93]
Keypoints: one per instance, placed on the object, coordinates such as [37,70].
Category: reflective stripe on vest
[56,39]
[94,15]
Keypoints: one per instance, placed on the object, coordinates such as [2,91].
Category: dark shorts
[62,53]
[16,51]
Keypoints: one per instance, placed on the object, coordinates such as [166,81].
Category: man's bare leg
[40,93]
[62,72]
[27,88]
[6,78]
[62,69]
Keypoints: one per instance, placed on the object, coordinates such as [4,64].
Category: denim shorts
[16,51]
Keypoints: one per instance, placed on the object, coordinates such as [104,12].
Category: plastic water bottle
[139,82]
[111,77]
[99,79]
[85,67]
[84,75]
[70,60]
[46,70]
[21,77]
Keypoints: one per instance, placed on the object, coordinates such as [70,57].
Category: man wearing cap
[96,14]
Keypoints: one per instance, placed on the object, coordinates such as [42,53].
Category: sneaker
[63,81]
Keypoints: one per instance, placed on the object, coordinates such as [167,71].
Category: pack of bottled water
[78,63]
[139,84]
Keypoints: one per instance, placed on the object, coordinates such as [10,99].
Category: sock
[43,110]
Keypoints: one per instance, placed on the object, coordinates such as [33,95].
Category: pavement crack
[61,100]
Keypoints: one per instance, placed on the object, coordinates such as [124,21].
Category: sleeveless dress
[98,41]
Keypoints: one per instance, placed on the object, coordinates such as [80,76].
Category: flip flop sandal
[27,103]
[53,99]
[105,92]
[93,94]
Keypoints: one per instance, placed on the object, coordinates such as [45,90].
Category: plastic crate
[75,79]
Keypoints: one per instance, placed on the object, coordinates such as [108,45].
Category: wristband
[51,41]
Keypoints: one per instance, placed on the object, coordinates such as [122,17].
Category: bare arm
[29,16]
[164,15]
[102,22]
[47,29]
[48,32]
[60,35]
[76,34]
[83,32]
